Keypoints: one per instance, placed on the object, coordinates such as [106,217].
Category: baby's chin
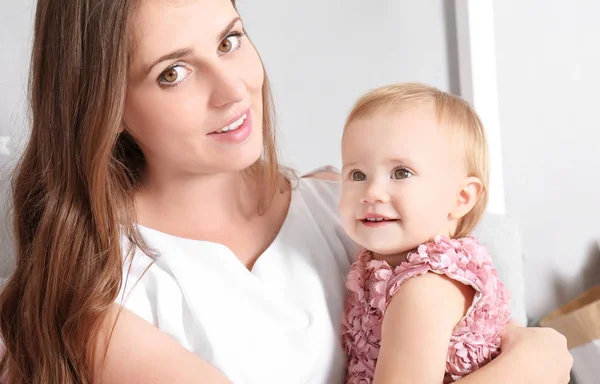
[390,251]
[386,248]
[386,245]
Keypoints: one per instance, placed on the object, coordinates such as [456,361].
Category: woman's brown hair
[73,191]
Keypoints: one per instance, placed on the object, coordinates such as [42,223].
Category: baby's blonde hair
[455,115]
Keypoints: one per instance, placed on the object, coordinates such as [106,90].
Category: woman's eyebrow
[182,52]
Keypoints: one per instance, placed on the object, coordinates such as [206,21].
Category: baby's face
[401,178]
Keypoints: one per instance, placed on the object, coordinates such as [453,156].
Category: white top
[280,322]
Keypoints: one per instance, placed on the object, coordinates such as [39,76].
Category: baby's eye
[358,176]
[401,173]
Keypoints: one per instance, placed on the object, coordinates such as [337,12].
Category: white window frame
[478,82]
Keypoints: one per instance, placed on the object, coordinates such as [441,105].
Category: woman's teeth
[233,126]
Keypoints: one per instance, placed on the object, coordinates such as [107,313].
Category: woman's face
[194,98]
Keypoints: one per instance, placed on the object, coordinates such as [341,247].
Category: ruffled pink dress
[475,340]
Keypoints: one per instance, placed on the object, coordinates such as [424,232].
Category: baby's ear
[468,195]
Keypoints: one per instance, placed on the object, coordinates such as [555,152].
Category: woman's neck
[186,204]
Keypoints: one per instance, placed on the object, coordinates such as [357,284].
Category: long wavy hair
[73,191]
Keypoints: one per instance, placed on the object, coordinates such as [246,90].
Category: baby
[425,302]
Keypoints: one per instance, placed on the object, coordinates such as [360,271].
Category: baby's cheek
[346,221]
[348,206]
[345,201]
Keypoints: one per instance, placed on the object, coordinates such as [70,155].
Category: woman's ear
[468,195]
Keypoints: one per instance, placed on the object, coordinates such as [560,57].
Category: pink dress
[475,340]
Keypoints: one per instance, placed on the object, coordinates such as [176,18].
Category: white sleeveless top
[279,322]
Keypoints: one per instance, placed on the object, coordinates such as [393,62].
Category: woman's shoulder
[138,282]
[319,197]
[320,194]
[327,172]
[321,185]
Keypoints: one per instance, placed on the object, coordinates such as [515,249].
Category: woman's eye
[401,173]
[231,43]
[173,75]
[358,176]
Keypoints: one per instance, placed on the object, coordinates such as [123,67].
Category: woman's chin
[238,157]
[240,161]
[244,164]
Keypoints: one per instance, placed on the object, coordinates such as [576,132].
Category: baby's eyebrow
[397,160]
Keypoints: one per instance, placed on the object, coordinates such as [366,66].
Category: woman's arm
[138,352]
[417,327]
[529,355]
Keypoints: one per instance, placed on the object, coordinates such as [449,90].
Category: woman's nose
[228,87]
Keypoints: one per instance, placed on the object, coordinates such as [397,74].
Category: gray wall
[16,31]
[548,54]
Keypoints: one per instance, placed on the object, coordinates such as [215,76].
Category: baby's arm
[417,327]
